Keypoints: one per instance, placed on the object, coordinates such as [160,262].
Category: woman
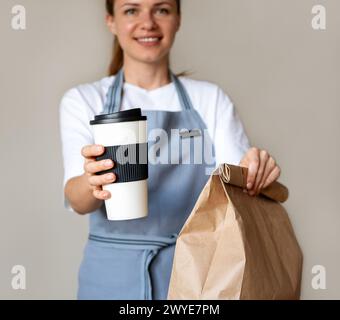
[133,259]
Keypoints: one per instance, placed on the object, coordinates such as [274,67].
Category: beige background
[282,75]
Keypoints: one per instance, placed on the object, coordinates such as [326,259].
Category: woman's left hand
[262,170]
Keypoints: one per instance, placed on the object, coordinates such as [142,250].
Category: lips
[149,40]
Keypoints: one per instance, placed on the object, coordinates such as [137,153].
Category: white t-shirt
[80,104]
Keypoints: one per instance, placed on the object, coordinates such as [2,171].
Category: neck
[146,76]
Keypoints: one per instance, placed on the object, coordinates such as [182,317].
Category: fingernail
[249,185]
[110,177]
[108,163]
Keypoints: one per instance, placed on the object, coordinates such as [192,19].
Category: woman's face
[145,29]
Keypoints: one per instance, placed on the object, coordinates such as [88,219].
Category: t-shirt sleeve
[231,141]
[75,133]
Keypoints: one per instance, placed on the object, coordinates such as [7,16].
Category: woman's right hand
[91,166]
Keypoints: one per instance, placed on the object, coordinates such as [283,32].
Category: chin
[150,58]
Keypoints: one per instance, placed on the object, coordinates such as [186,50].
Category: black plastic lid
[121,116]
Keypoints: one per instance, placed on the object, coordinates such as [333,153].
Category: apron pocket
[109,273]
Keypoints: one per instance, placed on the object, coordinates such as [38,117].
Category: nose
[148,21]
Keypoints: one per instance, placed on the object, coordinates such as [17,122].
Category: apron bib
[132,259]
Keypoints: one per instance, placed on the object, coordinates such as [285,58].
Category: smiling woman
[132,259]
[132,8]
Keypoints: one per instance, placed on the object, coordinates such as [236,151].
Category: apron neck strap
[115,94]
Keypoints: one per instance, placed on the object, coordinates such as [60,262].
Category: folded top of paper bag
[237,176]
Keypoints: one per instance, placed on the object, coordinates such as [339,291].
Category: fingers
[93,167]
[273,176]
[92,151]
[262,170]
[270,165]
[264,157]
[96,181]
[101,194]
[253,161]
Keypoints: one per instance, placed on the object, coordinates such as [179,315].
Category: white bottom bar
[129,200]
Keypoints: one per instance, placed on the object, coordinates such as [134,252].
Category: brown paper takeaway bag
[234,246]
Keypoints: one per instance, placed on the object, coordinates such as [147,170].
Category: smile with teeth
[148,40]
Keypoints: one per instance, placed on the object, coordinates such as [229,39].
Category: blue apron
[132,260]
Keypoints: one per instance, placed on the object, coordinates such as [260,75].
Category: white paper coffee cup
[124,136]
